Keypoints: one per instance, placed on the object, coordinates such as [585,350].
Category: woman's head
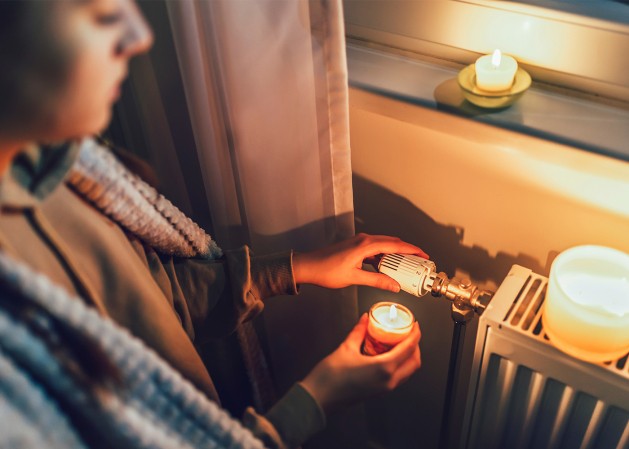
[62,63]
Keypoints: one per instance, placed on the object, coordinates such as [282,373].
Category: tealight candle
[495,72]
[389,324]
[586,310]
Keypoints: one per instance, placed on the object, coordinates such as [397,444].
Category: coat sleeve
[291,421]
[212,297]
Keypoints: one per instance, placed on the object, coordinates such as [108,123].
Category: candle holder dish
[492,100]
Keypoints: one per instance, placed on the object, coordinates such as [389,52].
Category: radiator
[524,393]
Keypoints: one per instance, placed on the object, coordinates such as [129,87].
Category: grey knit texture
[156,408]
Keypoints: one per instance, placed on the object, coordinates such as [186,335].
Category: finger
[377,244]
[405,348]
[377,280]
[419,331]
[357,334]
[407,368]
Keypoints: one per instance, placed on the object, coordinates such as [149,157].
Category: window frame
[556,47]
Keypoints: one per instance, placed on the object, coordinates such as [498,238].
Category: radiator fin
[527,394]
[523,409]
[525,316]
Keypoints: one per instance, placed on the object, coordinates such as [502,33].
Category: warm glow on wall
[556,47]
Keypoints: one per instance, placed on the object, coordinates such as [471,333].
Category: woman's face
[100,37]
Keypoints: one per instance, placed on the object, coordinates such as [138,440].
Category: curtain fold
[263,111]
[266,87]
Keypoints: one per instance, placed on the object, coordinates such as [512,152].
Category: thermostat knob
[414,274]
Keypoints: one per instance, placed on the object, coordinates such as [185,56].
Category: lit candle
[495,72]
[389,324]
[586,310]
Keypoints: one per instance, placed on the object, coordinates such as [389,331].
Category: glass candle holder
[389,324]
[586,309]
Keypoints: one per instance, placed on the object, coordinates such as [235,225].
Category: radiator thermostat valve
[414,274]
[418,276]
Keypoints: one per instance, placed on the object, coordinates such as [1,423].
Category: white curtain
[266,84]
[264,95]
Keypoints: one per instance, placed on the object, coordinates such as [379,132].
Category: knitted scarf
[41,396]
[136,206]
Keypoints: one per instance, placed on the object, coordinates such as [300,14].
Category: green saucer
[492,100]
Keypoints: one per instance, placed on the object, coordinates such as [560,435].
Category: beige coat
[167,302]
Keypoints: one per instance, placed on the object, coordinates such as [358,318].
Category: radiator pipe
[449,405]
[418,276]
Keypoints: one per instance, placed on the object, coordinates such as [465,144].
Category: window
[577,44]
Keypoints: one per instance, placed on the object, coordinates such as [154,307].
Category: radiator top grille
[525,316]
[526,394]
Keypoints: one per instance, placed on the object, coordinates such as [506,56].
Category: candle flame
[392,312]
[495,58]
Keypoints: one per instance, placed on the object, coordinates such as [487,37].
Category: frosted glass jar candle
[586,310]
[389,324]
[495,72]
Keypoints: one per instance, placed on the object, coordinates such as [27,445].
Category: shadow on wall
[295,332]
[410,416]
[380,211]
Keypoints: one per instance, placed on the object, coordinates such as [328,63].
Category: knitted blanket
[44,402]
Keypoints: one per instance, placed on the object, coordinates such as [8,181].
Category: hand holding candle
[495,72]
[347,376]
[389,323]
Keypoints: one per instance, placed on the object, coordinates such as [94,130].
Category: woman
[63,63]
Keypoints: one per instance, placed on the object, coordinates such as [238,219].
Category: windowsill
[542,111]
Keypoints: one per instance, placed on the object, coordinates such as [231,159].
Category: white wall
[478,199]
